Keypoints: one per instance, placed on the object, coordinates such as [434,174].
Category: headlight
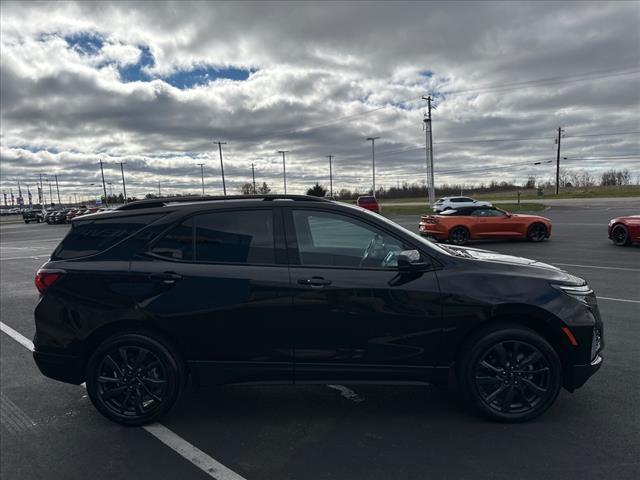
[580,293]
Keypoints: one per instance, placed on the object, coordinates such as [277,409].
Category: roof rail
[163,202]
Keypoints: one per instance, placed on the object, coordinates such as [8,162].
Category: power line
[524,84]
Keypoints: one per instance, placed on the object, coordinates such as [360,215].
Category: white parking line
[193,454]
[597,266]
[618,299]
[23,258]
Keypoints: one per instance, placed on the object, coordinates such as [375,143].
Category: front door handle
[314,281]
[166,278]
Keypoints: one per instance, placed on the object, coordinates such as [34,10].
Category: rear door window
[94,236]
[235,237]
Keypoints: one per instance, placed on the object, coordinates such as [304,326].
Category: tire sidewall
[470,358]
[172,364]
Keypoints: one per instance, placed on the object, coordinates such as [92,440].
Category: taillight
[47,277]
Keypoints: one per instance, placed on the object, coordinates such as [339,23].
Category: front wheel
[620,235]
[537,232]
[510,374]
[133,379]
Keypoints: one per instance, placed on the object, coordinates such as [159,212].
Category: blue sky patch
[135,72]
[85,43]
[185,79]
[90,44]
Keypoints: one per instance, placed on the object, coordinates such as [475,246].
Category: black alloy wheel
[511,374]
[459,236]
[537,232]
[513,377]
[620,235]
[132,379]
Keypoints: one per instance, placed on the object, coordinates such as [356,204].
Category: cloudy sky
[155,84]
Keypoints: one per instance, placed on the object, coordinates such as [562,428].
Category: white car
[450,203]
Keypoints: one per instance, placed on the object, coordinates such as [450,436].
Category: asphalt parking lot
[50,429]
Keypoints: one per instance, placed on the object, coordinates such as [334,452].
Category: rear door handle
[314,281]
[167,278]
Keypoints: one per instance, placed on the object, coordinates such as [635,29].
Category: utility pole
[159,191]
[202,175]
[330,176]
[58,189]
[110,189]
[224,186]
[284,168]
[429,150]
[253,176]
[373,158]
[560,134]
[124,185]
[104,185]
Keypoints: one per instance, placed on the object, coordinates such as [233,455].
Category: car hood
[534,267]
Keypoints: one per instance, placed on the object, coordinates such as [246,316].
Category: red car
[475,223]
[369,202]
[625,230]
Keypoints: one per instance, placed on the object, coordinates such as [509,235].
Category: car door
[357,316]
[218,282]
[490,223]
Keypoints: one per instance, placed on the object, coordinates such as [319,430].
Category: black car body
[299,289]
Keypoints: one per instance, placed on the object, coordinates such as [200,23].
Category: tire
[488,377]
[27,222]
[537,232]
[459,236]
[120,390]
[620,235]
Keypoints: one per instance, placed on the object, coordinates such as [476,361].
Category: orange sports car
[475,223]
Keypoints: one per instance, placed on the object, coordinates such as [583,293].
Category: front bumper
[64,368]
[577,375]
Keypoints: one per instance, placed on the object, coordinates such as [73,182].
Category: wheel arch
[93,341]
[548,327]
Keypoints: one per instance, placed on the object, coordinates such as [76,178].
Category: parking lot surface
[50,429]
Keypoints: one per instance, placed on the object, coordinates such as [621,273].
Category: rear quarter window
[97,235]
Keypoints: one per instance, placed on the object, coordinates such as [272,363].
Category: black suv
[301,289]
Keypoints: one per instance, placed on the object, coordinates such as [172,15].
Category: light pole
[124,185]
[202,175]
[373,159]
[224,186]
[50,191]
[284,168]
[110,189]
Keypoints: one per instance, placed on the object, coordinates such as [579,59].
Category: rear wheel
[620,235]
[133,378]
[459,236]
[510,373]
[537,232]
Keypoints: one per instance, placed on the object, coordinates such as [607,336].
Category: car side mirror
[411,260]
[507,214]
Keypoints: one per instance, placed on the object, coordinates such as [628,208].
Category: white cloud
[315,63]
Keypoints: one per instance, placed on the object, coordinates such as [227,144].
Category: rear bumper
[577,375]
[64,368]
